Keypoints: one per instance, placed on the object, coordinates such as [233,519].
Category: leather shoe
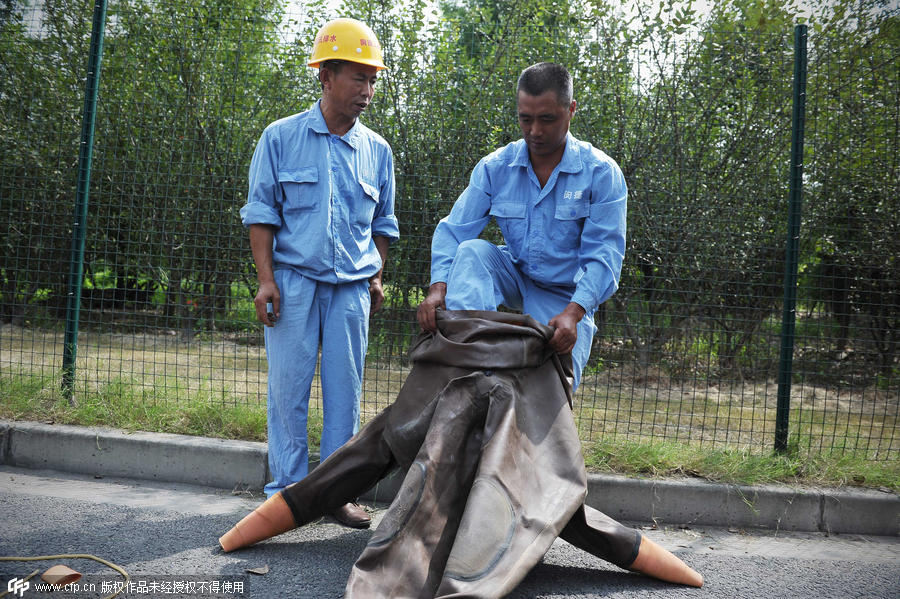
[352,515]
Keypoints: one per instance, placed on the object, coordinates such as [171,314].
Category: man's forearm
[382,244]
[576,309]
[261,240]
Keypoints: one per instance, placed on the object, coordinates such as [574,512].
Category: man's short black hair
[334,66]
[547,76]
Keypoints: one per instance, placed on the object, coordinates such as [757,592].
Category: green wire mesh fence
[700,122]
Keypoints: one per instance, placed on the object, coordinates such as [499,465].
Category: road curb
[243,464]
[692,502]
[146,456]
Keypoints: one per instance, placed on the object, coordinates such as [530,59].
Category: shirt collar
[317,124]
[521,157]
[570,162]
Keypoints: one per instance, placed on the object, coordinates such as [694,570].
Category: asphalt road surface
[165,537]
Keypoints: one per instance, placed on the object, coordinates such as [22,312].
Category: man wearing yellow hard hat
[321,216]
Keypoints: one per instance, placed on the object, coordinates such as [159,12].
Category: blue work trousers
[313,314]
[483,276]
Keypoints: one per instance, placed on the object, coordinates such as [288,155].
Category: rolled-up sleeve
[603,239]
[468,218]
[264,200]
[384,223]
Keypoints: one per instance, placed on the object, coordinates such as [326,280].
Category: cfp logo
[17,585]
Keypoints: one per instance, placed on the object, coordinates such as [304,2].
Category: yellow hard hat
[346,39]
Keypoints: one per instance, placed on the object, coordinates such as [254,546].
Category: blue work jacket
[569,234]
[325,195]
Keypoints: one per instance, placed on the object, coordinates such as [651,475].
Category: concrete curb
[696,502]
[243,464]
[146,456]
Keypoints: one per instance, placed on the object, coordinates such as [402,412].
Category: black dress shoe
[352,515]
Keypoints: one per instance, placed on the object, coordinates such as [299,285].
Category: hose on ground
[38,558]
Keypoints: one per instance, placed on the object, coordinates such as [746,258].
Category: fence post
[795,193]
[79,229]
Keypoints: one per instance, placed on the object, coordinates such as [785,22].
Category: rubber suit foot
[657,562]
[61,575]
[268,520]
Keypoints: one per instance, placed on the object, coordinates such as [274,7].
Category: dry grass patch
[218,389]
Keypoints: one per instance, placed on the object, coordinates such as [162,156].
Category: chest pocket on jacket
[300,187]
[510,217]
[365,204]
[568,222]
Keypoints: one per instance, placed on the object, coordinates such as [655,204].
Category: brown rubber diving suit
[494,469]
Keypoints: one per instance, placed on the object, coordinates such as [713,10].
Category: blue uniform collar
[317,124]
[571,158]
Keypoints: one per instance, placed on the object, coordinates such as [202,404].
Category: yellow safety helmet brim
[346,39]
